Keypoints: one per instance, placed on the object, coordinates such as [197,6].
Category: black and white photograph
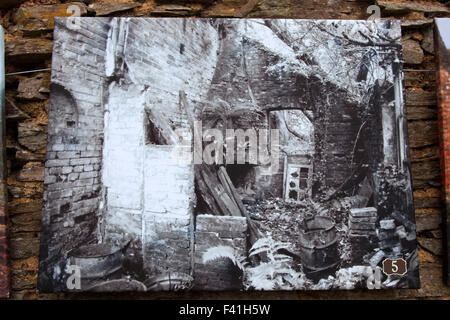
[223,154]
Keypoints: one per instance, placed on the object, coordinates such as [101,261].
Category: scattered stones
[28,51]
[376,258]
[33,20]
[32,136]
[107,8]
[412,52]
[401,232]
[388,224]
[35,88]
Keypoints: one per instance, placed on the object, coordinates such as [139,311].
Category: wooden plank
[255,233]
[227,188]
[223,200]
[205,193]
[167,135]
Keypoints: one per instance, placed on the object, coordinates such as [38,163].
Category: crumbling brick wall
[146,189]
[72,186]
[218,231]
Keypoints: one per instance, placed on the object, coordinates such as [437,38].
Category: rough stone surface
[408,6]
[417,23]
[28,51]
[172,10]
[33,20]
[12,112]
[428,40]
[433,245]
[107,8]
[32,136]
[412,52]
[420,98]
[36,88]
[30,174]
[423,133]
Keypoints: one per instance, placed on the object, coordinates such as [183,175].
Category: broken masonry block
[403,220]
[363,219]
[401,232]
[363,212]
[376,258]
[362,234]
[362,225]
[387,224]
[386,234]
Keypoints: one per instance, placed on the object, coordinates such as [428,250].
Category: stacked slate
[362,221]
[362,232]
[388,236]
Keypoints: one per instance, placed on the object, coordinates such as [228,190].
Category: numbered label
[394,266]
[375,11]
[74,280]
[73,22]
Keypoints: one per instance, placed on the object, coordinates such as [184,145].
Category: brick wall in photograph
[72,185]
[219,233]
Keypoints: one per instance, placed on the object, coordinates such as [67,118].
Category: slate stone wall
[29,46]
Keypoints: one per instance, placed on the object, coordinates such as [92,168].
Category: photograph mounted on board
[227,154]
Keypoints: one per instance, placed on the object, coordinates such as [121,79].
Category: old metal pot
[318,246]
[97,260]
